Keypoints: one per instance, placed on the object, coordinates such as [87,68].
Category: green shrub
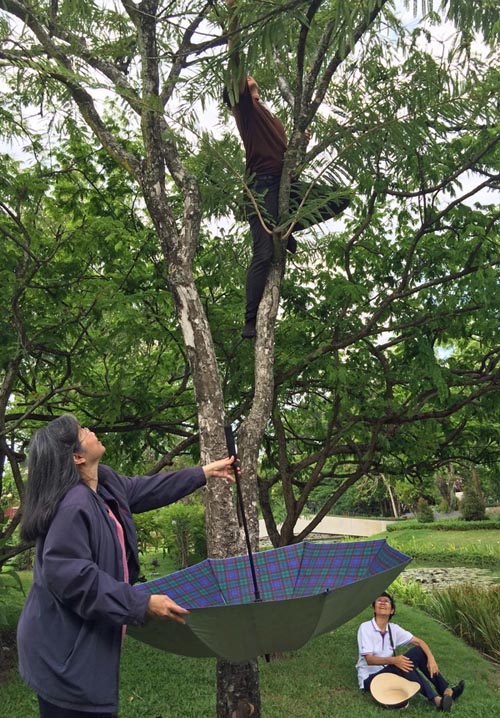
[425,514]
[472,612]
[24,561]
[182,526]
[472,506]
[444,507]
[409,592]
[147,526]
[11,587]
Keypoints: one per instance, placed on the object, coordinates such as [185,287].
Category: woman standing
[80,515]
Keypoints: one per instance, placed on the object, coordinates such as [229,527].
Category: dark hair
[51,474]
[386,595]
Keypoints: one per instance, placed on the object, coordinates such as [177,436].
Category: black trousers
[48,710]
[434,685]
[319,206]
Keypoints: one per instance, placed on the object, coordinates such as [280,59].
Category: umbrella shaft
[247,538]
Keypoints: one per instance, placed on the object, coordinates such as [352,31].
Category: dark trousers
[48,710]
[319,206]
[434,685]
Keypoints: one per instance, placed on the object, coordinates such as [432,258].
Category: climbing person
[265,142]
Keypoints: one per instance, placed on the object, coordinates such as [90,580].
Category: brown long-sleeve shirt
[262,133]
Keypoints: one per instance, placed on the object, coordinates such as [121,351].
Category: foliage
[447,483]
[177,530]
[371,496]
[425,514]
[182,527]
[472,506]
[85,314]
[488,524]
[10,585]
[385,355]
[472,613]
[379,369]
[24,560]
[147,527]
[489,476]
[410,593]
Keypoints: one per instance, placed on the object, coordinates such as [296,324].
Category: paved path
[338,526]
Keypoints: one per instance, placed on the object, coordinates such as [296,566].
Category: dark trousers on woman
[434,685]
[48,710]
[319,205]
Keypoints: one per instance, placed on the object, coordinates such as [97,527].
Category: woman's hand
[161,606]
[222,468]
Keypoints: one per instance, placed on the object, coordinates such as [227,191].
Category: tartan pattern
[296,571]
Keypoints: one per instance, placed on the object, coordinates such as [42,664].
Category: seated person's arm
[431,661]
[401,662]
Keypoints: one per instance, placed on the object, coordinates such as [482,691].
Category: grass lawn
[319,680]
[480,549]
[486,537]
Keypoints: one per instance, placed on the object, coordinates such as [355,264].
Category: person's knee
[416,654]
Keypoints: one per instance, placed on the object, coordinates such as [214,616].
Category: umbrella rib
[305,544]
[211,563]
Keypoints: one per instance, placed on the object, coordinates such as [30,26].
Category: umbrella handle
[231,447]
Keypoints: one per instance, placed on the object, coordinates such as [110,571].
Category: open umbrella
[305,590]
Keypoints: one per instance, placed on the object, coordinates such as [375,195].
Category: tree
[472,505]
[366,369]
[446,482]
[70,301]
[425,514]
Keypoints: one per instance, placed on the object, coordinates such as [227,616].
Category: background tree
[425,514]
[446,483]
[472,505]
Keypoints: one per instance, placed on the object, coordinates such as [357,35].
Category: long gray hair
[51,474]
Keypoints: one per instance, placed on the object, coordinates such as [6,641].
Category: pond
[442,577]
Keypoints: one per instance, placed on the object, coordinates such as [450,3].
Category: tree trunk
[391,496]
[238,693]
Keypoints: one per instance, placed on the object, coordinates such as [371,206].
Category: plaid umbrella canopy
[305,590]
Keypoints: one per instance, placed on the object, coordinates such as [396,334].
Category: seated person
[378,640]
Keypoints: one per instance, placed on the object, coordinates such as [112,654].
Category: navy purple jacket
[70,630]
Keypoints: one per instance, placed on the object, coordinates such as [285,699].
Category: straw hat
[392,690]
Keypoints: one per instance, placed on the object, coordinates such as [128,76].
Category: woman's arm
[145,493]
[71,573]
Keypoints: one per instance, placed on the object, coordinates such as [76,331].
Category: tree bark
[238,689]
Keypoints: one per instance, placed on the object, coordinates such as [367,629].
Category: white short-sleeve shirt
[372,641]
